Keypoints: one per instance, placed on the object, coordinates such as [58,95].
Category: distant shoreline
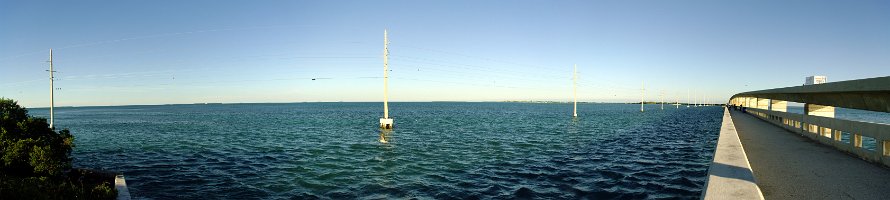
[218,103]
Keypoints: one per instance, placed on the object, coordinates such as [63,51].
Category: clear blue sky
[166,52]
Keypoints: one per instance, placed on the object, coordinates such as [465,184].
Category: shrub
[29,146]
[35,160]
[103,191]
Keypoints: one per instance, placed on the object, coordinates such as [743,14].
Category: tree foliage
[29,146]
[35,160]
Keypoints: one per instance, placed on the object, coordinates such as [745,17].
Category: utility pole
[385,122]
[52,102]
[678,101]
[661,98]
[642,89]
[385,75]
[575,90]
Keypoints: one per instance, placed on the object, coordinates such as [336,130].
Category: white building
[816,80]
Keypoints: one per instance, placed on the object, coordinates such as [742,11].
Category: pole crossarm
[871,94]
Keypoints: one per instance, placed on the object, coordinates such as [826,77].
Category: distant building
[811,80]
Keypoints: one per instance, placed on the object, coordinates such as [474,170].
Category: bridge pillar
[762,103]
[818,110]
[778,105]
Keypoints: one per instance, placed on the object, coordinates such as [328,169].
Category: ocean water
[438,150]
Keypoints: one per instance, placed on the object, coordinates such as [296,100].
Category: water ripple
[438,150]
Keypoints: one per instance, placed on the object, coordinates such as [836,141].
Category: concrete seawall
[730,175]
[120,183]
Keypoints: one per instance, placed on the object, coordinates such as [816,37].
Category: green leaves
[28,146]
[16,155]
[103,191]
[35,160]
[43,161]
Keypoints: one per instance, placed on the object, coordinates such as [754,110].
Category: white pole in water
[385,77]
[642,88]
[385,122]
[661,98]
[52,96]
[678,101]
[575,90]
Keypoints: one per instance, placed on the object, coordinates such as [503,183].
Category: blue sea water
[438,150]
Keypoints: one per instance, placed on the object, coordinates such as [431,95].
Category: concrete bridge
[765,152]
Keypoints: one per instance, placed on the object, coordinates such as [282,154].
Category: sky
[179,52]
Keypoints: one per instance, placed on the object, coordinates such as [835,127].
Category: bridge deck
[790,166]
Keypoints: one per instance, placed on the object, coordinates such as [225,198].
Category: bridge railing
[818,122]
[845,135]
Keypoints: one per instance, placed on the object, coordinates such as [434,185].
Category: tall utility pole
[385,122]
[678,102]
[52,102]
[642,88]
[661,98]
[385,75]
[575,90]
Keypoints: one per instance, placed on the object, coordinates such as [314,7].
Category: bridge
[766,152]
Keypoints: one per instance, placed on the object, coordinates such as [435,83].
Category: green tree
[35,161]
[29,147]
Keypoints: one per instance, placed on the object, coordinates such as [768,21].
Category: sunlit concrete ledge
[730,175]
[121,185]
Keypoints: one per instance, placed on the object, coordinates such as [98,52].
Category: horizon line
[217,103]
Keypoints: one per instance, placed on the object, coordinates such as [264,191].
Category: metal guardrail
[819,123]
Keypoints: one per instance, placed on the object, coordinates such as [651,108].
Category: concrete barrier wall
[829,131]
[120,183]
[730,175]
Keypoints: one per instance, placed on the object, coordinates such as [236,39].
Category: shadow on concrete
[733,172]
